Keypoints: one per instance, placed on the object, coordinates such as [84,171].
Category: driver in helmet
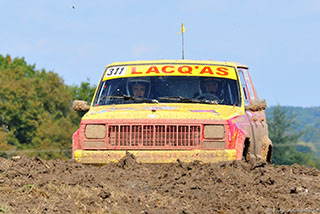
[209,88]
[211,85]
[139,87]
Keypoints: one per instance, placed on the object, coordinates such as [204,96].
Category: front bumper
[155,156]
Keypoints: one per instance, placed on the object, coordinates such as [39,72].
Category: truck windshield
[168,89]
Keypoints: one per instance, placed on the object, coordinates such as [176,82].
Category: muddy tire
[246,150]
[269,155]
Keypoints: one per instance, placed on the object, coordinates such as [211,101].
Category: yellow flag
[182,28]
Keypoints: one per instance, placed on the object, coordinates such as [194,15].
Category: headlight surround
[214,132]
[95,131]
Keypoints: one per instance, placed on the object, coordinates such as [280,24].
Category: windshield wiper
[188,100]
[127,97]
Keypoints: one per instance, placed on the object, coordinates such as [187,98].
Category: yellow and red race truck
[165,110]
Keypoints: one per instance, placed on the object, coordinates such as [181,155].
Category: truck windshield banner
[170,70]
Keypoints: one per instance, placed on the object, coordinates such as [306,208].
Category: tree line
[307,122]
[285,134]
[36,116]
[35,110]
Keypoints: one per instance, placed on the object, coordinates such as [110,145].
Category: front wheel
[246,150]
[269,154]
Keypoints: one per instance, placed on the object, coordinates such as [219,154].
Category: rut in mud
[32,185]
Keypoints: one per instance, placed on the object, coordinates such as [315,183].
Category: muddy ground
[32,185]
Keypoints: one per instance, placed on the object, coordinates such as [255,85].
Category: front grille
[154,136]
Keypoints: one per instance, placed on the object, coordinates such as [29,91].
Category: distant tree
[83,92]
[5,142]
[284,137]
[35,110]
[308,119]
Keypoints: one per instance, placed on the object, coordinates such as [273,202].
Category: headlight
[95,131]
[213,131]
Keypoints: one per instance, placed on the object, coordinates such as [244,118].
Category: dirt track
[37,186]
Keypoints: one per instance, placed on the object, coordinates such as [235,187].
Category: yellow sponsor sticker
[170,70]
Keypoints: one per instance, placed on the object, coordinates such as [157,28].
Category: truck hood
[164,111]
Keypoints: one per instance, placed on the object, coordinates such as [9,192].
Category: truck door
[248,124]
[256,118]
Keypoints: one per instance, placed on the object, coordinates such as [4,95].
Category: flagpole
[182,46]
[182,31]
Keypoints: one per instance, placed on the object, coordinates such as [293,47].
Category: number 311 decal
[116,71]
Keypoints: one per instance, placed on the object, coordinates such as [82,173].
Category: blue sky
[278,40]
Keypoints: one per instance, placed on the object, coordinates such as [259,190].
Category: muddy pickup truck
[167,110]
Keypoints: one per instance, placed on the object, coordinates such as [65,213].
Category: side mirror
[80,105]
[257,105]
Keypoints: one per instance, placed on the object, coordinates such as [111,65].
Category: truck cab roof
[180,61]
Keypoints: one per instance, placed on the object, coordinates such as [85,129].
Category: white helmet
[131,81]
